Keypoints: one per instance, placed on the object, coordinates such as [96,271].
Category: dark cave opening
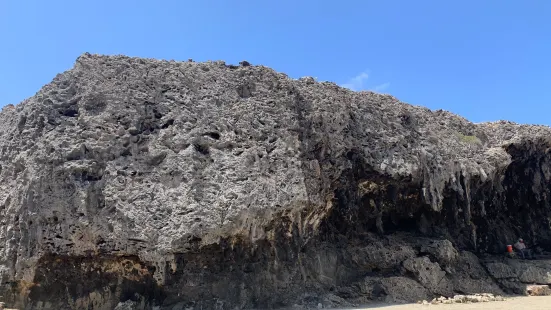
[527,190]
[505,209]
[481,216]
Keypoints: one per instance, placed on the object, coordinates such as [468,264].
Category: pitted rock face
[160,160]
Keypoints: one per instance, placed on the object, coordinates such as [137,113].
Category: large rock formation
[141,183]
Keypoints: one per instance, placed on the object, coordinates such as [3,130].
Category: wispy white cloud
[359,82]
[381,87]
[356,83]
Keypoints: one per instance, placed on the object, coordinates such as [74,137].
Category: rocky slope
[183,185]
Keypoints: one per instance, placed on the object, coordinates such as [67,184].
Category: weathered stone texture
[146,183]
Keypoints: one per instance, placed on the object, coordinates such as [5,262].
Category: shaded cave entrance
[476,215]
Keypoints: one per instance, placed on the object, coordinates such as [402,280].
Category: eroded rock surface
[130,182]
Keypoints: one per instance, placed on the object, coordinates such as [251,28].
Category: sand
[514,303]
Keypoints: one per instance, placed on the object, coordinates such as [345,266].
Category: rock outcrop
[130,182]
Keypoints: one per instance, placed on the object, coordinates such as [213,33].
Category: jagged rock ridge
[183,184]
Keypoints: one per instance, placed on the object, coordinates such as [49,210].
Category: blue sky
[483,59]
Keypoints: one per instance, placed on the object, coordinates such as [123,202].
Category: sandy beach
[514,303]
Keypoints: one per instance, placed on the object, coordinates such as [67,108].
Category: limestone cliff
[181,184]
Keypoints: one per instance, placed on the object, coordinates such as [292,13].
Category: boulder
[442,250]
[538,290]
[403,290]
[531,271]
[533,274]
[500,270]
[429,275]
